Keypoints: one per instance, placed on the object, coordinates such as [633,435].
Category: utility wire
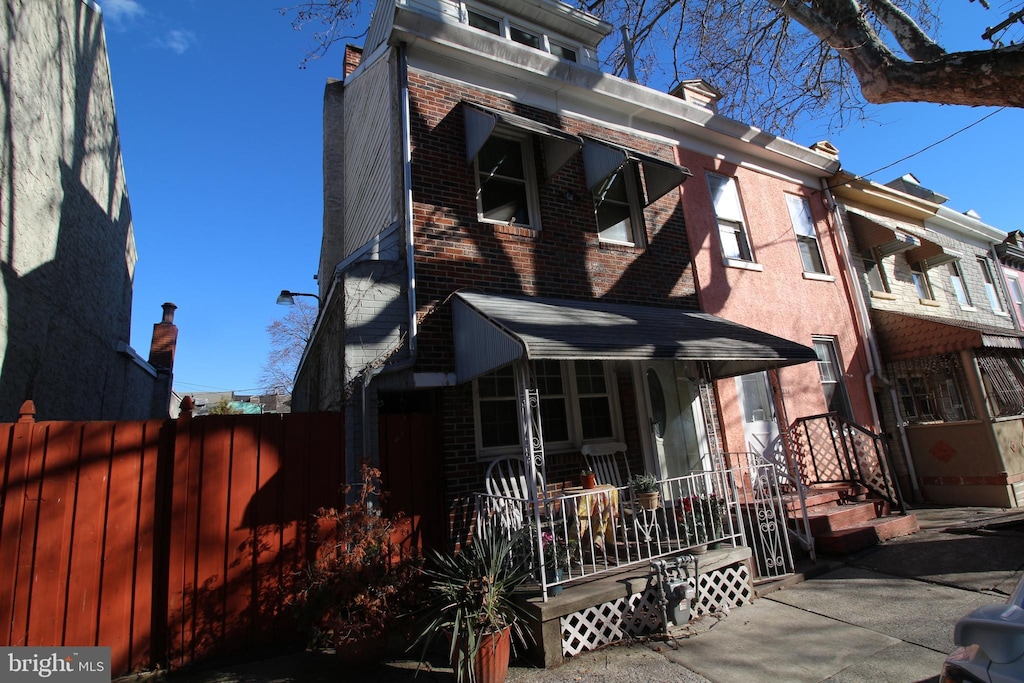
[934,144]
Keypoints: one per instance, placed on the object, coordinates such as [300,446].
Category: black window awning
[601,159]
[481,122]
[494,330]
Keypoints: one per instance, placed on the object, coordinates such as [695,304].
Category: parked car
[991,644]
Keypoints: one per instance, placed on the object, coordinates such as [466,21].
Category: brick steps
[841,525]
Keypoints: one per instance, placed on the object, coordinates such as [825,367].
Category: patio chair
[604,459]
[506,477]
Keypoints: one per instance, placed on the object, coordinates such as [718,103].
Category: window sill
[1001,314]
[820,277]
[620,246]
[969,309]
[515,230]
[929,302]
[741,264]
[882,295]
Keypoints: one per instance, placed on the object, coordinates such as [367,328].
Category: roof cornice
[571,87]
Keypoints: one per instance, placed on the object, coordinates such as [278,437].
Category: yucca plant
[470,596]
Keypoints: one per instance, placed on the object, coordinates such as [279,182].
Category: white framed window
[877,280]
[518,32]
[506,183]
[831,374]
[578,404]
[806,235]
[1017,294]
[956,279]
[922,284]
[617,205]
[990,285]
[731,229]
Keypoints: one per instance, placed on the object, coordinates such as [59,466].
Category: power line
[934,144]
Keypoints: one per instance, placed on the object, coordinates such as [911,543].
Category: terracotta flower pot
[588,481]
[649,501]
[491,662]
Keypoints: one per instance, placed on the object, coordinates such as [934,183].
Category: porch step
[829,518]
[864,534]
[825,494]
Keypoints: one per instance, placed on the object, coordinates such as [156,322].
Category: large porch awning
[494,330]
[903,336]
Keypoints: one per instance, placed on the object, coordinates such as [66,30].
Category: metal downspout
[410,253]
[872,356]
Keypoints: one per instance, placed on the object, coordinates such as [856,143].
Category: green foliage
[469,595]
[644,483]
[223,407]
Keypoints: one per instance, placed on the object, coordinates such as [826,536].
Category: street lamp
[287,298]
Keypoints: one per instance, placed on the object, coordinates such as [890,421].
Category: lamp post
[287,298]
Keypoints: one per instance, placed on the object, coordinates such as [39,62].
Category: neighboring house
[210,402]
[767,255]
[949,380]
[67,250]
[1010,253]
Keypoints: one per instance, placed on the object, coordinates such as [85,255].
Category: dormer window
[520,32]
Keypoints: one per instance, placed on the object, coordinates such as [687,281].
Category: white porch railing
[595,531]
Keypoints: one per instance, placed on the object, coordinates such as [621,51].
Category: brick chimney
[165,340]
[353,58]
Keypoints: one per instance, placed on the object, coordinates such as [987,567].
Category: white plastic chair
[603,458]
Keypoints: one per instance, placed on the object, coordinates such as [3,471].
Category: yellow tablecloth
[596,511]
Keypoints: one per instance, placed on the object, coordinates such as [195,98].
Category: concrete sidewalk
[885,614]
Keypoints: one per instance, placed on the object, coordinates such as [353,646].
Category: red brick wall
[564,259]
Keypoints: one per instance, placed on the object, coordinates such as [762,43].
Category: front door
[675,419]
[760,426]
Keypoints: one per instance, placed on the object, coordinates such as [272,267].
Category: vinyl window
[731,228]
[990,286]
[956,279]
[618,207]
[506,184]
[806,236]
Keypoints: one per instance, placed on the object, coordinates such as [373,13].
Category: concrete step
[865,534]
[826,518]
[825,494]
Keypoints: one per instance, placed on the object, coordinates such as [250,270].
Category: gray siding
[371,154]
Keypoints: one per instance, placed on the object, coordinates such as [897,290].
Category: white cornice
[544,81]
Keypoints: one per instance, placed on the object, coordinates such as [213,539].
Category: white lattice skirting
[639,615]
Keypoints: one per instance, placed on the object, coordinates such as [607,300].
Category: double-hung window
[831,374]
[806,236]
[577,405]
[618,207]
[731,228]
[877,281]
[990,285]
[506,185]
[956,279]
[922,284]
[1018,296]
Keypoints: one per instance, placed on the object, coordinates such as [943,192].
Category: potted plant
[358,582]
[645,486]
[588,479]
[558,556]
[469,598]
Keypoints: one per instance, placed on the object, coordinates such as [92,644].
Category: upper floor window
[1017,295]
[506,188]
[990,285]
[519,33]
[806,236]
[731,229]
[921,282]
[877,280]
[617,204]
[956,278]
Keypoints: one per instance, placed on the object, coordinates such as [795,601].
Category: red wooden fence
[169,541]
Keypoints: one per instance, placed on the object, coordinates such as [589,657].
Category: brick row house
[947,378]
[525,259]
